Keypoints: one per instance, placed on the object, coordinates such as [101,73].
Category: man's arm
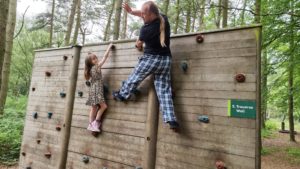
[132,12]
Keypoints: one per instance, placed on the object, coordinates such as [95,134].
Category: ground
[278,153]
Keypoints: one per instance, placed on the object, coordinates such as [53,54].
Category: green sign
[242,108]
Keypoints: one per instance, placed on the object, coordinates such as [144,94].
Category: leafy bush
[11,128]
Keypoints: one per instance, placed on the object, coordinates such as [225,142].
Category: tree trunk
[291,78]
[51,24]
[201,18]
[117,19]
[166,6]
[257,11]
[70,23]
[194,15]
[243,13]
[107,28]
[219,12]
[4,5]
[225,13]
[78,20]
[188,18]
[264,89]
[124,24]
[10,28]
[177,17]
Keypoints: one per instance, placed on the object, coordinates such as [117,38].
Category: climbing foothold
[48,74]
[50,115]
[203,119]
[240,77]
[138,167]
[38,141]
[184,66]
[33,89]
[58,128]
[48,154]
[220,164]
[199,38]
[62,94]
[23,153]
[65,57]
[113,47]
[88,83]
[35,115]
[80,93]
[95,134]
[28,167]
[85,159]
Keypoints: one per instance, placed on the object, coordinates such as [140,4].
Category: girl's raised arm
[106,54]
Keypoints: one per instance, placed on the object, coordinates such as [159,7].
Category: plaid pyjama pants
[160,67]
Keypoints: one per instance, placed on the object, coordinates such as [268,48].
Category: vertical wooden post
[149,156]
[258,100]
[69,108]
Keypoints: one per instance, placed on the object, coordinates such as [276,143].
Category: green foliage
[293,154]
[11,128]
[268,150]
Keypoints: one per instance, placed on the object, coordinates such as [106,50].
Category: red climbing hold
[38,141]
[48,74]
[23,153]
[65,57]
[220,164]
[58,128]
[200,38]
[48,154]
[240,78]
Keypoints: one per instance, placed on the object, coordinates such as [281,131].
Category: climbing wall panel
[120,144]
[44,118]
[204,90]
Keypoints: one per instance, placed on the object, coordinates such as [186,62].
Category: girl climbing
[92,73]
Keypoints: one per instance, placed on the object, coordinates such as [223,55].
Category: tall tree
[225,13]
[188,16]
[219,13]
[177,17]
[70,23]
[4,5]
[257,11]
[291,74]
[107,28]
[124,24]
[11,22]
[51,23]
[78,20]
[166,6]
[202,13]
[194,16]
[264,89]
[243,12]
[118,7]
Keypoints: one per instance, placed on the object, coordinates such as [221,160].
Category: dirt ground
[277,158]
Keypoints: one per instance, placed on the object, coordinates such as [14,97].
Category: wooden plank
[75,161]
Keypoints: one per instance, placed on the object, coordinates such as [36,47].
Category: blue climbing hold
[203,119]
[85,159]
[62,94]
[35,115]
[184,66]
[50,115]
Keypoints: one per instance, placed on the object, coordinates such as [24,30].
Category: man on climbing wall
[155,33]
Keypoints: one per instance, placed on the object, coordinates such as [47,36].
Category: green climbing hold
[35,115]
[50,115]
[184,66]
[203,119]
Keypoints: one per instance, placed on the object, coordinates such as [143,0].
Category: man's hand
[127,7]
[139,45]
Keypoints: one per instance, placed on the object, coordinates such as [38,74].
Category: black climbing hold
[62,94]
[35,115]
[80,93]
[203,119]
[88,83]
[50,115]
[48,155]
[85,159]
[58,128]
[48,74]
[184,66]
[23,153]
[200,38]
[240,78]
[33,89]
[38,141]
[65,57]
[113,47]
[28,167]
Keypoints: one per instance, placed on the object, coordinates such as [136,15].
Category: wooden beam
[69,109]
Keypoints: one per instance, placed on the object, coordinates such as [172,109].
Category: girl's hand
[110,46]
[127,7]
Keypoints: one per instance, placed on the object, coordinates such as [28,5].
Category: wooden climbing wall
[203,90]
[41,134]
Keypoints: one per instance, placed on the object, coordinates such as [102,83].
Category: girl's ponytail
[162,31]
